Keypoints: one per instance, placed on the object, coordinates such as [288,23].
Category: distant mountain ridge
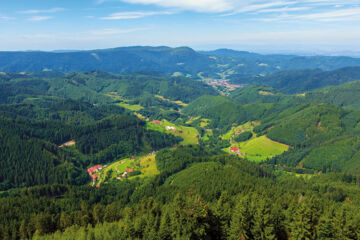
[117,60]
[299,81]
[165,60]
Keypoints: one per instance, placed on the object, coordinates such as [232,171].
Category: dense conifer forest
[177,158]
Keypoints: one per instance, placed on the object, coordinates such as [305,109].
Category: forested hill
[278,62]
[99,87]
[345,95]
[118,60]
[300,81]
[165,60]
[170,157]
[30,153]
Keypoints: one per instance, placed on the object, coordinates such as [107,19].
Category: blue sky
[309,26]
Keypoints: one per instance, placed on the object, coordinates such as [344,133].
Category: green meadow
[258,149]
[249,126]
[131,107]
[188,134]
[145,164]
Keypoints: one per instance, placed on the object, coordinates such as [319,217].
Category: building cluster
[236,150]
[170,128]
[127,171]
[94,169]
[224,83]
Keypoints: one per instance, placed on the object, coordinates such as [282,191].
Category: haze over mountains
[288,73]
[167,60]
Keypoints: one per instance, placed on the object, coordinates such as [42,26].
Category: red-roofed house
[129,170]
[234,149]
[94,169]
[156,122]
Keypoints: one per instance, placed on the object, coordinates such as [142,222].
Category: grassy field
[281,173]
[192,120]
[110,172]
[141,116]
[189,134]
[258,149]
[249,126]
[204,122]
[145,164]
[180,103]
[130,107]
[207,135]
[124,103]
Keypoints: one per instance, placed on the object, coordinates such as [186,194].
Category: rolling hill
[300,81]
[235,65]
[117,60]
[345,95]
[100,87]
[54,126]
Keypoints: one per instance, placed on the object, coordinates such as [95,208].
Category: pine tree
[242,220]
[43,224]
[110,213]
[223,212]
[306,219]
[346,224]
[326,226]
[65,221]
[98,213]
[263,222]
[165,228]
[23,230]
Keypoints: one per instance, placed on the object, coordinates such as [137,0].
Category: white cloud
[284,9]
[237,6]
[37,11]
[112,31]
[349,14]
[344,13]
[134,15]
[39,18]
[192,5]
[257,7]
[6,18]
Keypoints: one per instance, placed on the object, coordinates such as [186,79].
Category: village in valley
[139,166]
[224,83]
[254,148]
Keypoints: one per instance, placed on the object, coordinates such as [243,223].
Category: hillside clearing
[180,103]
[68,144]
[258,149]
[188,134]
[135,107]
[145,165]
[249,126]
